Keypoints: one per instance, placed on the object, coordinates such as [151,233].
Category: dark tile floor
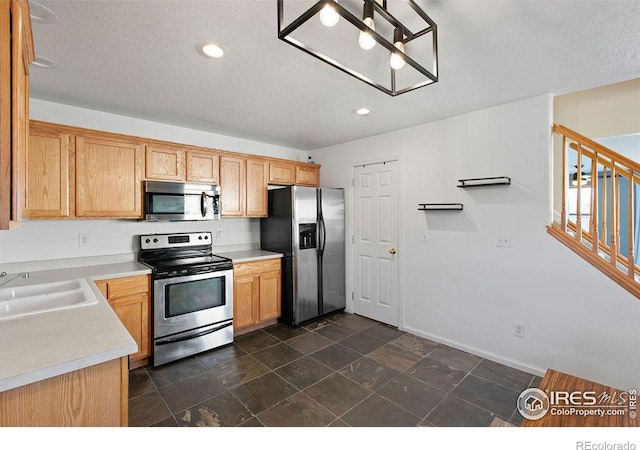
[344,370]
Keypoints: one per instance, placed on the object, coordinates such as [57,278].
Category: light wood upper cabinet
[16,53]
[257,180]
[108,177]
[164,163]
[233,186]
[243,184]
[308,175]
[281,172]
[203,167]
[49,174]
[178,163]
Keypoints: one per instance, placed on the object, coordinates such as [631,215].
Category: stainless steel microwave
[166,201]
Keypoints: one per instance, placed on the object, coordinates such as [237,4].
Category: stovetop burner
[181,253]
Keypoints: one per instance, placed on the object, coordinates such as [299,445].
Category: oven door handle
[192,336]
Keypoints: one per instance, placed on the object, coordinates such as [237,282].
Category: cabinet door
[232,186]
[133,312]
[108,178]
[308,175]
[49,191]
[270,296]
[203,167]
[257,180]
[246,292]
[282,173]
[164,163]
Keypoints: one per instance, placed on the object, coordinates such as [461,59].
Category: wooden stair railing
[594,207]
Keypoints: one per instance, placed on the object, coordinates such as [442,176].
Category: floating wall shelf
[477,182]
[440,206]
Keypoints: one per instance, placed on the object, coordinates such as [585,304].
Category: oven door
[191,301]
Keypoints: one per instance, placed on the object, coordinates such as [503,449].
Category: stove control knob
[147,240]
[200,237]
[155,240]
[206,237]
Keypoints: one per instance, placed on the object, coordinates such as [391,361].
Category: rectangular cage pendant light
[386,44]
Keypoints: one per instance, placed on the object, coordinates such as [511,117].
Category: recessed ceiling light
[41,14]
[362,111]
[44,63]
[210,49]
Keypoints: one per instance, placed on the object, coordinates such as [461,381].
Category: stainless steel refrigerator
[307,225]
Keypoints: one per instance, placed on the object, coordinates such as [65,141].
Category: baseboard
[514,364]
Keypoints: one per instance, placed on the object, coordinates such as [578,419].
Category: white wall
[459,288]
[41,240]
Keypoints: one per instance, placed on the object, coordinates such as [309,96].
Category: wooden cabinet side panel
[5,115]
[257,181]
[203,167]
[245,301]
[270,296]
[93,396]
[19,105]
[233,186]
[108,178]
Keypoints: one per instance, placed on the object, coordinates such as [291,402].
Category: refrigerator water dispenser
[307,235]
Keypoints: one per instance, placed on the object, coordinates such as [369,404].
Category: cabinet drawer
[256,267]
[121,287]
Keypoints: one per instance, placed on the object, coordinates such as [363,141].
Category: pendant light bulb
[396,61]
[366,40]
[328,15]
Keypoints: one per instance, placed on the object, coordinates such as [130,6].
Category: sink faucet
[5,277]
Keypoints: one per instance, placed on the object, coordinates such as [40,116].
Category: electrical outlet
[219,233]
[503,240]
[83,240]
[518,329]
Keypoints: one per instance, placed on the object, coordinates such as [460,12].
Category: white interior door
[375,226]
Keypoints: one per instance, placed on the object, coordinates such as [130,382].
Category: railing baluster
[595,232]
[605,222]
[563,214]
[614,217]
[630,256]
[578,195]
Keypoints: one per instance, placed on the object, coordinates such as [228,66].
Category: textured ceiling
[138,58]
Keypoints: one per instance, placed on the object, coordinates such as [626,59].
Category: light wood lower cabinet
[96,396]
[256,293]
[129,298]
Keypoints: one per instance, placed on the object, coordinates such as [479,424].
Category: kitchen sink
[44,297]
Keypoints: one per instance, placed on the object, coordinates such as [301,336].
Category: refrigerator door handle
[323,235]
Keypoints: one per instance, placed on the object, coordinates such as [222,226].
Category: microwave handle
[203,203]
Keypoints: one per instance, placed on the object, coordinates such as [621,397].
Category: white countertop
[250,255]
[40,346]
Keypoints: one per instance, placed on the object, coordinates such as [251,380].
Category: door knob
[393,251]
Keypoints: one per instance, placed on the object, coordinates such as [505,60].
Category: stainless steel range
[192,294]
